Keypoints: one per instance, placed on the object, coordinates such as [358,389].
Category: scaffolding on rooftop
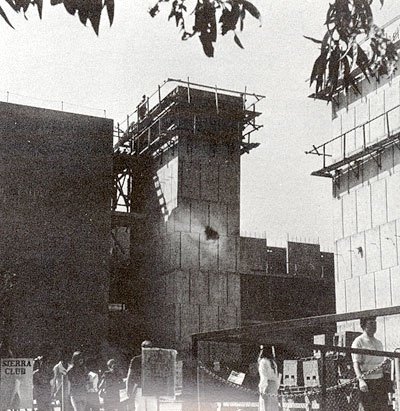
[157,121]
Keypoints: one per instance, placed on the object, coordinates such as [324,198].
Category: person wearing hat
[134,379]
[110,385]
[269,380]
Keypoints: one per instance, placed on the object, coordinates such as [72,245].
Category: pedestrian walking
[42,375]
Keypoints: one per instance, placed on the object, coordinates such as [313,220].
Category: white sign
[158,372]
[16,384]
[236,377]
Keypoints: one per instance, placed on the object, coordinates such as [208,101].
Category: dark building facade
[55,185]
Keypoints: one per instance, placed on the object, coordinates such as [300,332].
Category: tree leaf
[39,4]
[251,9]
[312,39]
[109,5]
[237,41]
[4,15]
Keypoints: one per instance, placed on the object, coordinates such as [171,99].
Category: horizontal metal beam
[300,323]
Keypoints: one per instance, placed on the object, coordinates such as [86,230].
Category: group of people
[369,370]
[78,383]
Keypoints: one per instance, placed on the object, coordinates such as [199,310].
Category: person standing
[60,385]
[368,369]
[78,377]
[93,402]
[42,374]
[269,380]
[110,385]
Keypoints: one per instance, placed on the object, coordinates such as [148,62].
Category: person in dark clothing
[110,385]
[42,375]
[78,377]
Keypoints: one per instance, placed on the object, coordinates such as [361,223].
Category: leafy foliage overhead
[229,15]
[352,41]
[87,10]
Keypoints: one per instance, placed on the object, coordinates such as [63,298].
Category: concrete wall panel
[378,203]
[208,318]
[348,123]
[362,116]
[340,294]
[190,179]
[227,253]
[392,323]
[389,245]
[373,250]
[182,287]
[395,285]
[199,287]
[343,259]
[229,177]
[218,288]
[367,291]
[198,216]
[396,159]
[190,321]
[177,250]
[349,214]
[252,255]
[364,216]
[382,286]
[358,254]
[393,196]
[182,217]
[392,99]
[227,317]
[353,294]
[208,254]
[337,218]
[234,290]
[209,186]
[377,107]
[219,218]
[190,251]
[233,219]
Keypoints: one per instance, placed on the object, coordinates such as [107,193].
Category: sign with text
[158,372]
[16,385]
[236,377]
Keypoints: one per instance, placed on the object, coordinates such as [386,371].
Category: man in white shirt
[373,394]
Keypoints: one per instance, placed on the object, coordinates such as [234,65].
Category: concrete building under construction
[176,229]
[178,264]
[363,161]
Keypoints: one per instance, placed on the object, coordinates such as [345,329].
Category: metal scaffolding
[159,119]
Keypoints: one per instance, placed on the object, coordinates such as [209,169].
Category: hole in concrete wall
[211,234]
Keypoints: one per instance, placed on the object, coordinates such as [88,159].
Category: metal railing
[131,125]
[359,138]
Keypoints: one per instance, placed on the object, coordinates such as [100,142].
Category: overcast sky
[57,59]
